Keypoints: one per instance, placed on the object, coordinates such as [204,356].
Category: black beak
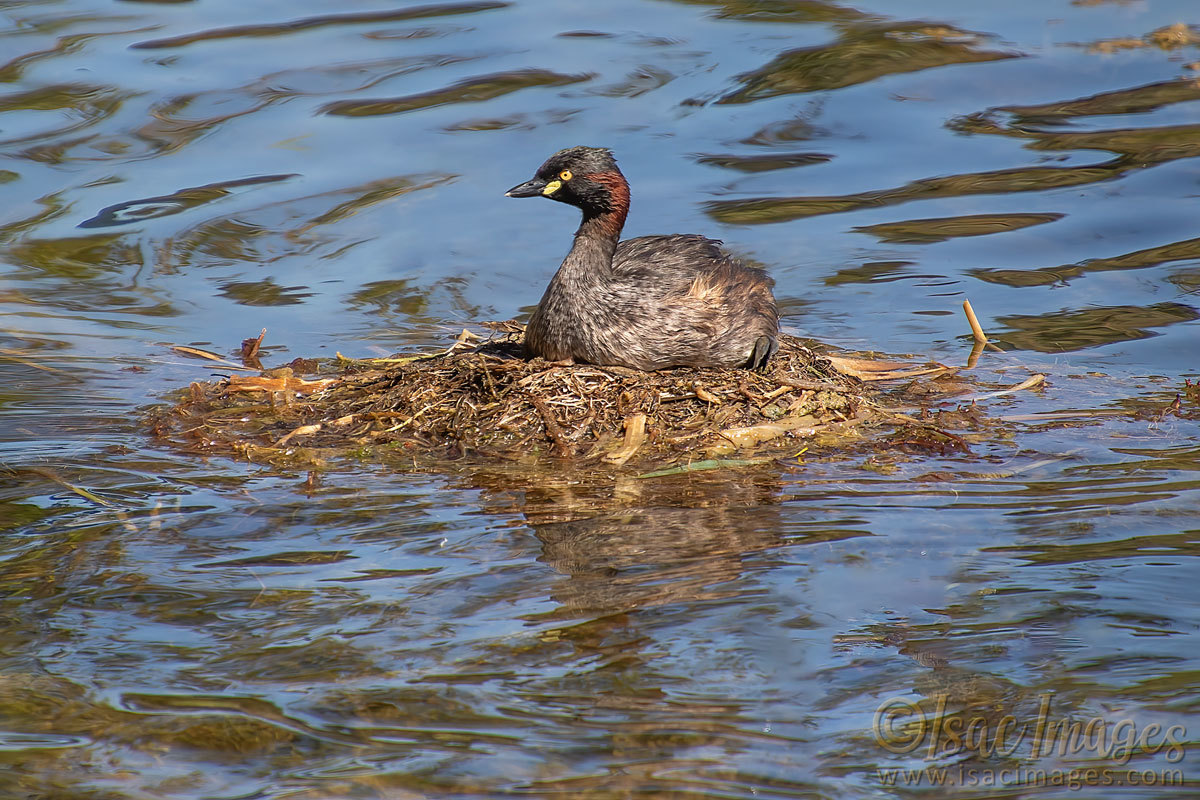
[531,188]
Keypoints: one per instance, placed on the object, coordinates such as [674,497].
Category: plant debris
[488,401]
[1169,37]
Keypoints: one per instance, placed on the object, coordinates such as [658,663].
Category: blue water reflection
[189,174]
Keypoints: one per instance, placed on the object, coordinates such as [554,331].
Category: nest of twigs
[488,400]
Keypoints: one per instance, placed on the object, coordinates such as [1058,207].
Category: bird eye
[565,175]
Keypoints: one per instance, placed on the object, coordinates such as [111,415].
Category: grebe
[649,303]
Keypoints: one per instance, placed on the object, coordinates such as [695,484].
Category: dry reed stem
[562,445]
[973,321]
[1028,383]
[198,353]
[250,346]
[635,436]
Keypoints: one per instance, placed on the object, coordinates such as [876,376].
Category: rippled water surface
[187,173]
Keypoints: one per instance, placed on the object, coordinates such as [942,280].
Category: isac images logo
[904,727]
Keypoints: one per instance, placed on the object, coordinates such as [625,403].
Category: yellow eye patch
[553,186]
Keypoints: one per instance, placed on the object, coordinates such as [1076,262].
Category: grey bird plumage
[649,303]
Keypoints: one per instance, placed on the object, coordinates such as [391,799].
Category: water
[188,174]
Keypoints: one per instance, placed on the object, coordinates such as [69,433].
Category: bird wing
[677,256]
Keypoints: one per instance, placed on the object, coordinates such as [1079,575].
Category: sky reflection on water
[179,173]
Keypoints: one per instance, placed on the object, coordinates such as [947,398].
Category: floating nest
[487,400]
